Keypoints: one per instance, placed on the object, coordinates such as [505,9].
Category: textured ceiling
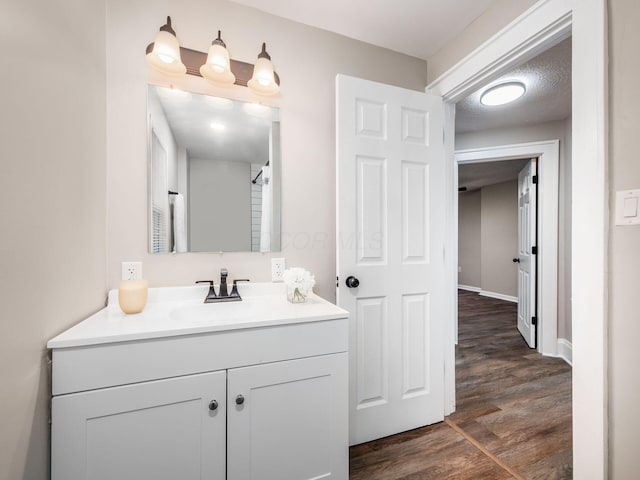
[415,27]
[478,175]
[547,78]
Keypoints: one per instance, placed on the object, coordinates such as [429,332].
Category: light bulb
[165,54]
[217,69]
[263,81]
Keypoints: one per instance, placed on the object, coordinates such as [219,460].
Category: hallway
[513,415]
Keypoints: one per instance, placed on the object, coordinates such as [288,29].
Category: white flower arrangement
[299,283]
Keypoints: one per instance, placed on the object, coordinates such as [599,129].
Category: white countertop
[174,311]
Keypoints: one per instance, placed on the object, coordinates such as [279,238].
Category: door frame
[548,201]
[540,27]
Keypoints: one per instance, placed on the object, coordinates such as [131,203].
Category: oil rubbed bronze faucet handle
[212,290]
[234,290]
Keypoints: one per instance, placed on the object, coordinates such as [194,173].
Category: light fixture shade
[165,55]
[217,69]
[502,94]
[263,81]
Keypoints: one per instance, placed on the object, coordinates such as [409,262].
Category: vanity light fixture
[167,56]
[502,94]
[164,53]
[217,69]
[263,81]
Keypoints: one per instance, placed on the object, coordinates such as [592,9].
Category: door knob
[352,282]
[239,400]
[213,405]
[516,260]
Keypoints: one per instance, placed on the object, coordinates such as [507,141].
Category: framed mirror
[214,173]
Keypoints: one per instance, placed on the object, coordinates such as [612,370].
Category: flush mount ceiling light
[164,53]
[502,94]
[217,69]
[218,126]
[263,81]
[167,56]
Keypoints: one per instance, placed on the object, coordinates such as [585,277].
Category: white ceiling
[247,126]
[477,175]
[547,78]
[415,27]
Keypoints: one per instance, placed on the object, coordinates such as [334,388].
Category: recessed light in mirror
[217,126]
[502,94]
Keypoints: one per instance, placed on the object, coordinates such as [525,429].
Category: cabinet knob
[239,400]
[213,405]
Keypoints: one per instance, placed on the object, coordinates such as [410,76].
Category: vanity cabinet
[153,430]
[267,402]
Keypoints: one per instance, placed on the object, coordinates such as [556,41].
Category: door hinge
[534,320]
[534,250]
[337,282]
[535,179]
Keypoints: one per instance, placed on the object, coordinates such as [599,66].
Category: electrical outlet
[131,270]
[277,269]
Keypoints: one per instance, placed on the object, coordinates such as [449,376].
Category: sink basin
[217,313]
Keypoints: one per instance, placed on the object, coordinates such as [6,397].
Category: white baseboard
[469,288]
[499,296]
[565,350]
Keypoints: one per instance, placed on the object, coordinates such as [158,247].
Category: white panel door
[160,430]
[390,238]
[527,223]
[288,420]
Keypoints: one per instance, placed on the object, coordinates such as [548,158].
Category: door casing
[548,202]
[543,25]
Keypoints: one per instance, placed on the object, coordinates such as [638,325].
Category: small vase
[296,294]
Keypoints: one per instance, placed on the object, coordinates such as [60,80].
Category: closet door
[161,430]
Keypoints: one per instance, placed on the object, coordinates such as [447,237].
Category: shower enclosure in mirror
[214,174]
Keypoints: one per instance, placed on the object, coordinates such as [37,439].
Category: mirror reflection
[214,174]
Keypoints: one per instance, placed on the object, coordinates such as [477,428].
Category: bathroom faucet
[223,295]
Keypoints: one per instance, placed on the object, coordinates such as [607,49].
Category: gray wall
[488,238]
[52,178]
[560,130]
[219,195]
[499,238]
[624,246]
[496,17]
[469,242]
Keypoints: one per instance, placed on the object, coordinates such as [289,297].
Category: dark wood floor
[513,412]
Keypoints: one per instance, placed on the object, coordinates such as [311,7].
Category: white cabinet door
[292,422]
[160,430]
